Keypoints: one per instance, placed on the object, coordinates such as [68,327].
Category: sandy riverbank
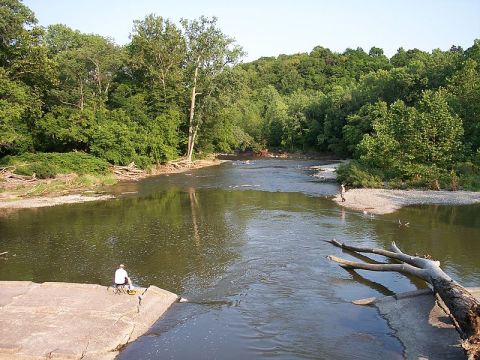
[36,202]
[381,201]
[14,200]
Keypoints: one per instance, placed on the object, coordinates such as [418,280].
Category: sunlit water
[245,244]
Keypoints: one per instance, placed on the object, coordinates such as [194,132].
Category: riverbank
[22,193]
[382,201]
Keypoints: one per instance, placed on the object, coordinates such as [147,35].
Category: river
[244,243]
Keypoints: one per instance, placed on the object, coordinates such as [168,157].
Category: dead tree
[462,305]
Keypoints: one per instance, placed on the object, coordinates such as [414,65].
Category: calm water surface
[245,244]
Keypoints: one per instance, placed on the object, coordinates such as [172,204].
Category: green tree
[415,142]
[209,52]
[17,108]
[14,18]
[157,52]
[360,124]
[465,89]
[87,65]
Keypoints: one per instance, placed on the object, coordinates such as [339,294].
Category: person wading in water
[342,192]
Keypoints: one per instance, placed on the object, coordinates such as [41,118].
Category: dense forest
[180,89]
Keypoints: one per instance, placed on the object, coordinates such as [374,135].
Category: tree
[17,107]
[209,52]
[86,67]
[23,53]
[14,17]
[360,123]
[465,100]
[415,141]
[296,122]
[157,51]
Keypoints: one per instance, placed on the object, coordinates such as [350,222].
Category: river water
[244,243]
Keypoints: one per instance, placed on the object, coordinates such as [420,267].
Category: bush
[422,176]
[469,175]
[47,165]
[119,140]
[356,174]
[41,170]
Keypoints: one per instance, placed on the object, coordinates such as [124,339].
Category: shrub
[47,165]
[469,175]
[420,175]
[356,174]
[41,170]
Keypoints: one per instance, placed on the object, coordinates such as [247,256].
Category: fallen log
[20,177]
[462,306]
[130,172]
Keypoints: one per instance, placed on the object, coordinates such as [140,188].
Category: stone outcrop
[423,328]
[74,321]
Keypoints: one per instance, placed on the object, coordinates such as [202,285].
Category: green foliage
[464,87]
[47,165]
[415,144]
[469,174]
[209,52]
[64,129]
[16,110]
[409,120]
[114,140]
[41,170]
[356,174]
[86,66]
[14,18]
[360,124]
[157,53]
[119,140]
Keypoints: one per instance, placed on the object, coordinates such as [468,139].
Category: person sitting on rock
[121,277]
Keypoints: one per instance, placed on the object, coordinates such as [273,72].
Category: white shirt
[120,276]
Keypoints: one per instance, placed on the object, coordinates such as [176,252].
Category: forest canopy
[179,88]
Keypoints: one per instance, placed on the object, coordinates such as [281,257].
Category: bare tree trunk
[191,130]
[81,104]
[193,138]
[463,307]
[99,78]
[164,86]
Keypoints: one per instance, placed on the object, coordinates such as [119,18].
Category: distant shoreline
[383,201]
[10,201]
[374,201]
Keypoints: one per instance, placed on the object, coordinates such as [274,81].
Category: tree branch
[462,305]
[403,268]
[390,254]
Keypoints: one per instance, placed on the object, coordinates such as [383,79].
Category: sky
[274,27]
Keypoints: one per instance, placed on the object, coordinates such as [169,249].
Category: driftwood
[4,253]
[130,171]
[180,164]
[8,174]
[462,306]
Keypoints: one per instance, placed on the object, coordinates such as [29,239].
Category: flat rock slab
[73,321]
[424,329]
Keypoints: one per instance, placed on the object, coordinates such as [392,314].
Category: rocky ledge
[74,321]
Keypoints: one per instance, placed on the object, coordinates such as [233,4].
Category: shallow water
[244,243]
